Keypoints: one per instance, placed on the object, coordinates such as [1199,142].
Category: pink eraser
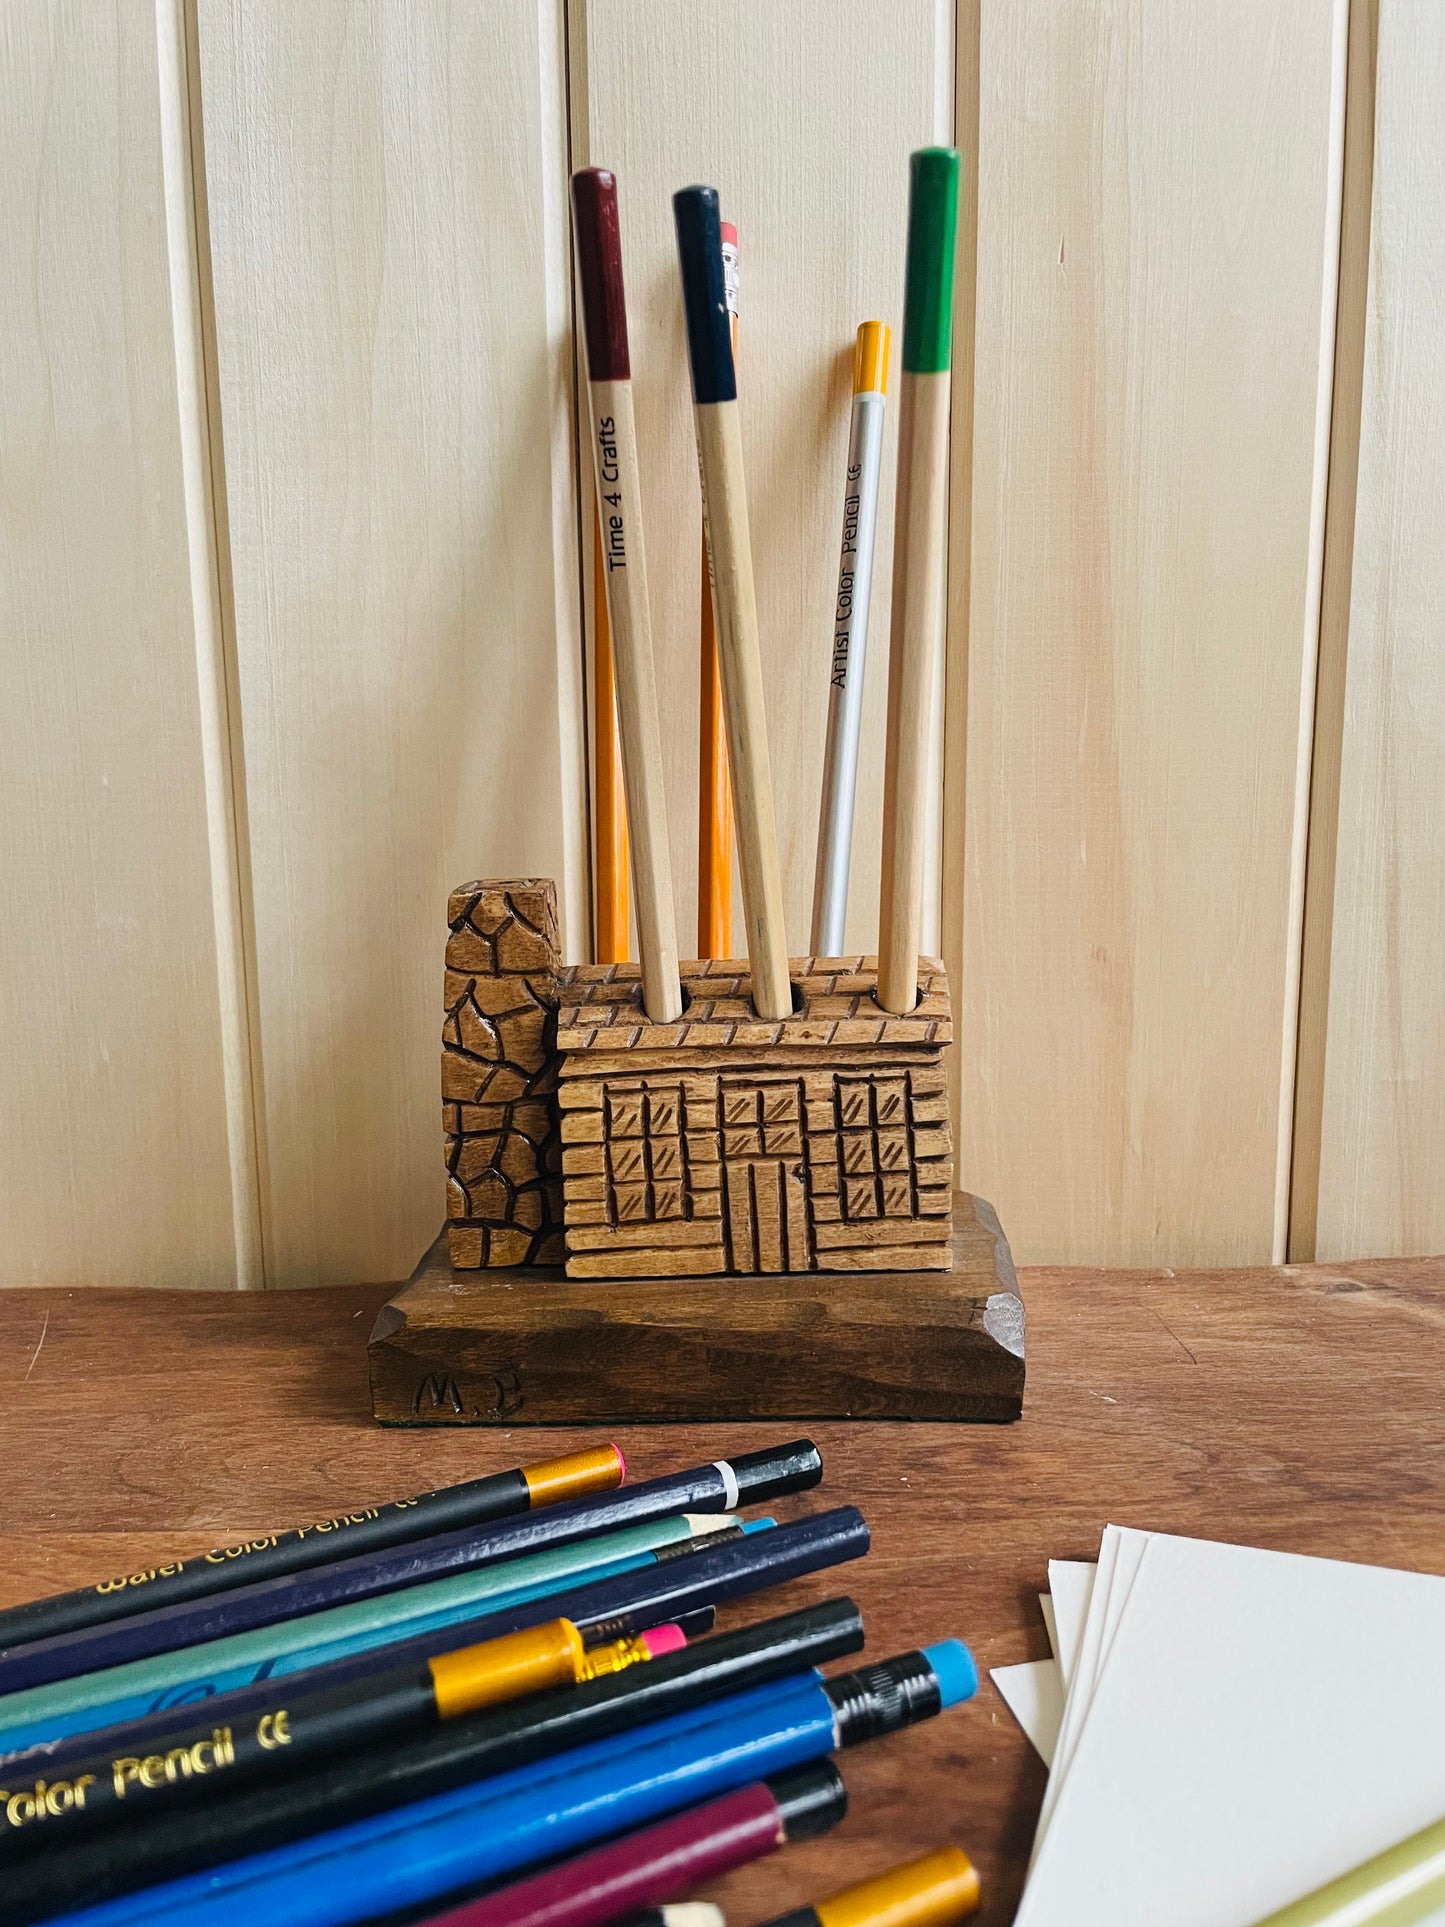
[621,1460]
[664,1639]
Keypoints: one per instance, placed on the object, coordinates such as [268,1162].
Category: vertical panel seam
[213,622]
[1322,744]
[554,53]
[966,60]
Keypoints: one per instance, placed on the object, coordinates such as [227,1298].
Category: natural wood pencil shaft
[714,796]
[920,532]
[611,907]
[624,571]
[719,443]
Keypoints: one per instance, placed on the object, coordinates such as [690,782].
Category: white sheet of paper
[1258,1724]
[1070,1583]
[1034,1693]
[1046,1607]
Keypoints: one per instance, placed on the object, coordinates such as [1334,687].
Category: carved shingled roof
[601,1008]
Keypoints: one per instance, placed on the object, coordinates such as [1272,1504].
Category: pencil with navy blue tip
[714,786]
[849,641]
[367,1529]
[705,1576]
[598,228]
[920,533]
[458,1756]
[933,1891]
[207,1758]
[719,1487]
[47,1721]
[416,1853]
[673,1857]
[735,613]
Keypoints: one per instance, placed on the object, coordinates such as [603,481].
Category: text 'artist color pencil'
[208,1757]
[849,645]
[408,1856]
[674,1857]
[455,1757]
[714,785]
[710,1488]
[919,540]
[933,1891]
[725,507]
[619,503]
[478,1502]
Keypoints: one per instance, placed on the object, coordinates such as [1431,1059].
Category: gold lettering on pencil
[45,1800]
[141,1578]
[273,1730]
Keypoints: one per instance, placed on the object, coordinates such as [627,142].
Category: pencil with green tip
[1403,1885]
[919,547]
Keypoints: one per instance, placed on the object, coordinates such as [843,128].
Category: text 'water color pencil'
[52,1721]
[457,1756]
[658,1863]
[619,503]
[478,1502]
[406,1857]
[207,1758]
[849,644]
[735,612]
[933,1891]
[710,1488]
[919,543]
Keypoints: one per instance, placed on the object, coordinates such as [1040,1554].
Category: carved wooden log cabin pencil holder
[720,1217]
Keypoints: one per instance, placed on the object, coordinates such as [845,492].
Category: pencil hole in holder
[917,1000]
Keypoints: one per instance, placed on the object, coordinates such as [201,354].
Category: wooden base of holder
[530,1347]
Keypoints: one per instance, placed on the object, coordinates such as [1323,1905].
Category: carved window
[646,1161]
[875,1148]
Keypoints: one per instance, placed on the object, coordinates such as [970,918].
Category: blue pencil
[417,1853]
[720,1487]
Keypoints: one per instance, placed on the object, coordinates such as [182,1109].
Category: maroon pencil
[646,1869]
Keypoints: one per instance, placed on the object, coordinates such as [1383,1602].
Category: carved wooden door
[765,1199]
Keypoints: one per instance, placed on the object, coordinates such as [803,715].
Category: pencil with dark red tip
[624,572]
[657,1863]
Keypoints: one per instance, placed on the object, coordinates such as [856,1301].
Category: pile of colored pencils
[735,777]
[489,1705]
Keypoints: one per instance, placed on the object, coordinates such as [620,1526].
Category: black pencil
[268,1555]
[209,1756]
[119,1860]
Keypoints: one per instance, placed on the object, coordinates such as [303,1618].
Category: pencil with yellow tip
[933,1891]
[849,643]
[919,549]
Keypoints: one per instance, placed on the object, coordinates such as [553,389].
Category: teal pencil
[120,1693]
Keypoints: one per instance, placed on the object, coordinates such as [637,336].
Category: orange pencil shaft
[610,895]
[714,784]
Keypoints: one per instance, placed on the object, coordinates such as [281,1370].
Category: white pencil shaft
[735,616]
[624,572]
[919,533]
[849,650]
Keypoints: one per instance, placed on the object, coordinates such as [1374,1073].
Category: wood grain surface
[1297,1408]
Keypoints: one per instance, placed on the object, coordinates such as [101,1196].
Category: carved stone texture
[499,1075]
[726,1144]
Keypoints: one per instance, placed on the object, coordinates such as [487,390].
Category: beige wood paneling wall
[803,117]
[113,1140]
[392,292]
[1157,224]
[291,636]
[1382,1141]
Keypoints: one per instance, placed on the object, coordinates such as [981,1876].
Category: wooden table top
[1299,1408]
